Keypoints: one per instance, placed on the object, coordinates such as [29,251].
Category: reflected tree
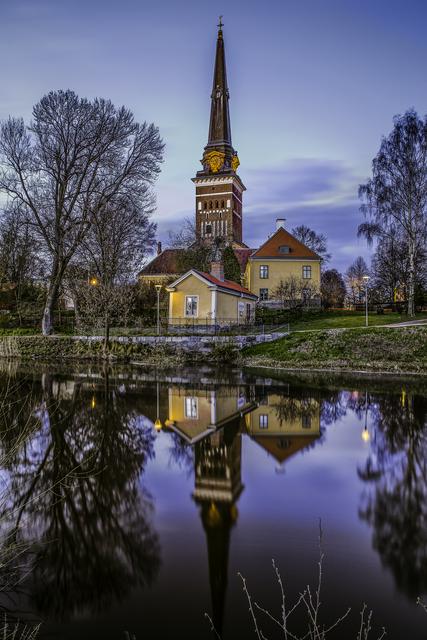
[77,498]
[396,504]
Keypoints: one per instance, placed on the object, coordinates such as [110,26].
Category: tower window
[210,204]
[205,205]
[216,204]
[263,271]
[306,272]
[199,206]
[222,204]
[228,204]
[208,229]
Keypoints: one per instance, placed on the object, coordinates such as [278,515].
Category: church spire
[219,156]
[219,189]
[219,125]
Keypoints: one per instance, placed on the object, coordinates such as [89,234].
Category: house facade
[197,297]
[283,266]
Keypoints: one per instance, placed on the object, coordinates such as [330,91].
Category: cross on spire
[220,23]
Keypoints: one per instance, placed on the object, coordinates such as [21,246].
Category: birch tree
[75,157]
[395,197]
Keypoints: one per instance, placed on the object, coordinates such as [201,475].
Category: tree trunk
[411,279]
[51,300]
[106,335]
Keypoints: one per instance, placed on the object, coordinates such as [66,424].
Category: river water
[135,498]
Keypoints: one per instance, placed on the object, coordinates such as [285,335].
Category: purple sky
[313,87]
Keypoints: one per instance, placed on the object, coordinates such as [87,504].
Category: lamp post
[158,289]
[366,280]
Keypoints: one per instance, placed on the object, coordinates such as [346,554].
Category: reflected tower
[218,486]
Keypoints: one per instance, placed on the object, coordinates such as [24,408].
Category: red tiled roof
[225,284]
[242,256]
[270,248]
[166,263]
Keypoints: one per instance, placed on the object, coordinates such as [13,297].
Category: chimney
[280,223]
[159,248]
[217,269]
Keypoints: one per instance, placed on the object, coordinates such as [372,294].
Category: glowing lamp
[366,435]
[158,425]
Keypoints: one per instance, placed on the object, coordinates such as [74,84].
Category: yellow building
[197,413]
[284,425]
[207,298]
[285,263]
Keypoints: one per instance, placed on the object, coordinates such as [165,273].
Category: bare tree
[75,158]
[396,195]
[19,262]
[354,279]
[317,242]
[115,245]
[295,292]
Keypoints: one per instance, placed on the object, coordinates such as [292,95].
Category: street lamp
[366,280]
[158,289]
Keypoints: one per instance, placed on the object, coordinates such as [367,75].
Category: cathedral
[219,213]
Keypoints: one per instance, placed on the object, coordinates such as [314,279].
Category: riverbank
[159,351]
[400,350]
[387,350]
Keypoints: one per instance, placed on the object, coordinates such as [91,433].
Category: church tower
[219,190]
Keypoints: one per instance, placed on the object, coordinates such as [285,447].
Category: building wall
[279,270]
[305,419]
[191,286]
[228,306]
[219,210]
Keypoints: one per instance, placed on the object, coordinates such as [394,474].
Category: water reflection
[78,500]
[75,499]
[395,504]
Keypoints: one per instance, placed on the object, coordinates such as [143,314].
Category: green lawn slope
[377,349]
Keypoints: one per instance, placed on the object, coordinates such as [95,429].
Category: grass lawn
[347,320]
[379,349]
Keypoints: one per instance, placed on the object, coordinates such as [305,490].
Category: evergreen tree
[231,265]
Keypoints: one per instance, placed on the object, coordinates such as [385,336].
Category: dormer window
[284,248]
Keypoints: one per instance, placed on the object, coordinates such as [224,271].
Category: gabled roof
[166,263]
[270,248]
[283,447]
[222,284]
[242,256]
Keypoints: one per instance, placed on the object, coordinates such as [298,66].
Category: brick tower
[219,190]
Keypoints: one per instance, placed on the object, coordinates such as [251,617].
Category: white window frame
[309,267]
[263,424]
[196,315]
[193,414]
[266,268]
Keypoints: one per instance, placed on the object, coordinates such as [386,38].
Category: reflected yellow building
[196,413]
[283,425]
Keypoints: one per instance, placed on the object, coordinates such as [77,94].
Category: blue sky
[313,87]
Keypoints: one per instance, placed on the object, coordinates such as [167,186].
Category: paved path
[408,323]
